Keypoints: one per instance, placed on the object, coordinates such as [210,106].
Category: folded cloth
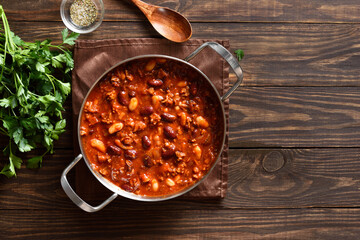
[93,57]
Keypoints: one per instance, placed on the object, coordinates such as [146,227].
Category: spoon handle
[146,8]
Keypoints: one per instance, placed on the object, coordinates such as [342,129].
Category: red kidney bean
[168,152]
[195,133]
[132,93]
[146,143]
[167,117]
[147,110]
[147,161]
[130,154]
[127,187]
[169,132]
[114,150]
[123,98]
[155,82]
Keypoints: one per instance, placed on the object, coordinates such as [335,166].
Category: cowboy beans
[151,127]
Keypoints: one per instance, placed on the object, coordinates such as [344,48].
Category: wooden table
[294,168]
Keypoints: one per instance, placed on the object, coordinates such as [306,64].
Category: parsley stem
[7,88]
[52,82]
[5,46]
[3,65]
[45,152]
[3,131]
[12,110]
[58,47]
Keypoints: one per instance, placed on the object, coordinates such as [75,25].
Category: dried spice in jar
[83,12]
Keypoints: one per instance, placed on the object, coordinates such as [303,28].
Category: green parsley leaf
[17,40]
[45,42]
[24,145]
[41,67]
[9,169]
[58,61]
[69,39]
[34,162]
[5,102]
[69,62]
[16,161]
[239,54]
[17,134]
[31,98]
[28,123]
[10,123]
[60,124]
[64,33]
[65,88]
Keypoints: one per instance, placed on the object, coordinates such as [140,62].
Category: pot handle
[74,197]
[224,53]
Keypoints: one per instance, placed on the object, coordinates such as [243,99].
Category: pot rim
[111,186]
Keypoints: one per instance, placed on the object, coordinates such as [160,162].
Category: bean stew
[152,126]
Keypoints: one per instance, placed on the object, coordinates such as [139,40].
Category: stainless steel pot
[117,190]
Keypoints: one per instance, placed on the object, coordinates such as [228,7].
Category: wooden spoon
[169,23]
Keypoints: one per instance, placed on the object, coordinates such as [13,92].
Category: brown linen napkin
[93,57]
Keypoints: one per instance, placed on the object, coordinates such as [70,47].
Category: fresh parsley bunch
[31,97]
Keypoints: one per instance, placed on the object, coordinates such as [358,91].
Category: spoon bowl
[169,23]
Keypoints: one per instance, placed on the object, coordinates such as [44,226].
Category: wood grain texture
[334,223]
[206,11]
[295,117]
[275,54]
[308,178]
[294,168]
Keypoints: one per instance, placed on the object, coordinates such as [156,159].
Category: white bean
[150,65]
[99,145]
[202,122]
[115,127]
[154,185]
[133,104]
[197,151]
[170,182]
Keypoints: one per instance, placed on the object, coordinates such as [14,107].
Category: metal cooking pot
[117,190]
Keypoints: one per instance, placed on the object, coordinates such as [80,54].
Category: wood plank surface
[294,178]
[336,223]
[295,117]
[308,11]
[275,54]
[294,169]
[258,179]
